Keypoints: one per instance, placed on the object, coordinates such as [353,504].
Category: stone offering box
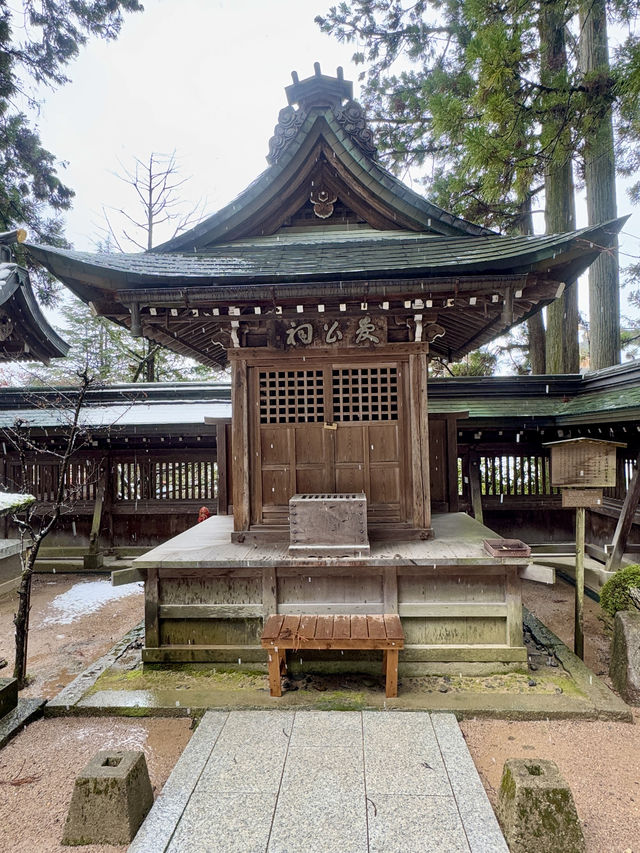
[328,525]
[581,463]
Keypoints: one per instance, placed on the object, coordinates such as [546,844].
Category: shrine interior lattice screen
[291,396]
[357,394]
[365,393]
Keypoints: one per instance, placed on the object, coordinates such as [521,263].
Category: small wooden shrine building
[25,334]
[327,284]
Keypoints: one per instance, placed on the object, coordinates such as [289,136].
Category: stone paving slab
[482,834]
[323,782]
[406,824]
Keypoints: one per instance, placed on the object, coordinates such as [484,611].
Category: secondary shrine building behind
[327,285]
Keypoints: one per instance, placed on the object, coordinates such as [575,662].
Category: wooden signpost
[582,467]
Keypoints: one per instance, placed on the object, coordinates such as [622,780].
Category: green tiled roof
[602,396]
[331,256]
[321,123]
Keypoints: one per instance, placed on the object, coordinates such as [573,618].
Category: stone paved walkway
[323,782]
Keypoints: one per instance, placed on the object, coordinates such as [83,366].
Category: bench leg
[275,687]
[283,661]
[392,673]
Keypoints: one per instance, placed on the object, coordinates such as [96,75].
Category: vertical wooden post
[391,673]
[221,457]
[578,643]
[240,444]
[94,558]
[269,591]
[419,452]
[424,442]
[475,486]
[452,463]
[3,480]
[151,604]
[390,589]
[109,495]
[275,662]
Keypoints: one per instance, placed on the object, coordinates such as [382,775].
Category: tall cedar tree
[37,43]
[466,86]
[109,353]
[600,182]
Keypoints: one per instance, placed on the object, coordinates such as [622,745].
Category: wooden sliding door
[334,428]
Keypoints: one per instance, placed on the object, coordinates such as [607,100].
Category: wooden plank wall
[450,613]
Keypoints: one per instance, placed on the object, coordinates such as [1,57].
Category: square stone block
[624,668]
[111,798]
[8,695]
[92,561]
[536,809]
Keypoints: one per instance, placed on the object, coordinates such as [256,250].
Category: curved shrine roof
[25,334]
[327,223]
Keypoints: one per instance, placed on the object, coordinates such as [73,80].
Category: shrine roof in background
[25,334]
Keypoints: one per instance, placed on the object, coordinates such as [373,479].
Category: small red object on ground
[204,514]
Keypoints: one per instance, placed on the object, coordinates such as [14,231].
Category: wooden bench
[284,633]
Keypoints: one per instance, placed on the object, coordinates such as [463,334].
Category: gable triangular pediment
[321,151]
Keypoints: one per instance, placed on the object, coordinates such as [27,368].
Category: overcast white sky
[204,77]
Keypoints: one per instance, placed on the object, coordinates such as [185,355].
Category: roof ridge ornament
[322,91]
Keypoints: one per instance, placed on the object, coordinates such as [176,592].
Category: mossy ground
[346,691]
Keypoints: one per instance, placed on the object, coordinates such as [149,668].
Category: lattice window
[291,396]
[365,393]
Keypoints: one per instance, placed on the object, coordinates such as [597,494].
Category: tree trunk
[562,353]
[21,618]
[537,344]
[535,324]
[150,366]
[600,181]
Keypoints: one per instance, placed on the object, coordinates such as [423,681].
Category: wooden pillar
[475,486]
[240,444]
[94,559]
[109,495]
[452,463]
[151,604]
[578,643]
[391,667]
[419,446]
[3,480]
[221,458]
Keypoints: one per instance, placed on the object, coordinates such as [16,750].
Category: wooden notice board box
[582,463]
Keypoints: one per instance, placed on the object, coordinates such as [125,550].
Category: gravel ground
[600,761]
[74,620]
[38,770]
[74,623]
